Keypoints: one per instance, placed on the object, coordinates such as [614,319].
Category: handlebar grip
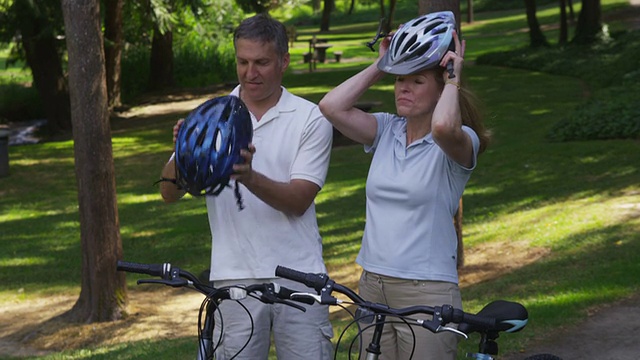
[148,269]
[316,281]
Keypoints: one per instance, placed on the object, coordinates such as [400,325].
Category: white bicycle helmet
[419,44]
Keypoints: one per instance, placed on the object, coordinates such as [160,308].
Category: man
[284,169]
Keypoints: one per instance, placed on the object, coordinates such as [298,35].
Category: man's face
[259,70]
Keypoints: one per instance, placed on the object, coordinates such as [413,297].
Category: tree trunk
[103,291]
[161,66]
[44,60]
[326,15]
[392,12]
[470,11]
[388,23]
[589,24]
[113,49]
[429,6]
[572,14]
[536,37]
[564,31]
[383,12]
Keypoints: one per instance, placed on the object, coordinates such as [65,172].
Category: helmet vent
[226,113]
[396,50]
[409,43]
[419,21]
[201,135]
[217,140]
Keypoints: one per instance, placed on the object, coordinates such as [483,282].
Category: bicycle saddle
[510,317]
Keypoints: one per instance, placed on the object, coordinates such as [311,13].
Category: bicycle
[497,316]
[268,293]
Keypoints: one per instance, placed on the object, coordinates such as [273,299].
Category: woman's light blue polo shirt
[413,193]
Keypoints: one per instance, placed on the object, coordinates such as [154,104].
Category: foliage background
[576,201]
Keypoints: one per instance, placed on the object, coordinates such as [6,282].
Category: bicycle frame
[373,349]
[498,316]
[205,336]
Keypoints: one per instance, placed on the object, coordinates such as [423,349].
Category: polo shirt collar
[284,104]
[400,134]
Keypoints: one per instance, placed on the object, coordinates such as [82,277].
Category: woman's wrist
[452,82]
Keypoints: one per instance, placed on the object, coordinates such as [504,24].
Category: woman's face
[417,94]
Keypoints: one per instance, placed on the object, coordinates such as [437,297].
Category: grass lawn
[575,202]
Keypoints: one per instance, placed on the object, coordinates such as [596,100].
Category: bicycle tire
[543,357]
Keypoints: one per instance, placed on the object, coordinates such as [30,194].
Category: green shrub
[134,72]
[19,102]
[202,62]
[196,63]
[600,65]
[610,71]
[609,114]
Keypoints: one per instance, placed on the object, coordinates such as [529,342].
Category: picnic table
[317,51]
[320,50]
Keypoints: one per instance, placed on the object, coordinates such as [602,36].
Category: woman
[422,160]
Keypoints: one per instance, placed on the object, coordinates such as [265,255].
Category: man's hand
[243,172]
[176,129]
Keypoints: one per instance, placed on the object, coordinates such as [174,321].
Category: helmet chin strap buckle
[450,69]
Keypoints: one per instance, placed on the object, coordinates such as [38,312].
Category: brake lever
[455,331]
[269,297]
[322,299]
[289,303]
[379,34]
[301,295]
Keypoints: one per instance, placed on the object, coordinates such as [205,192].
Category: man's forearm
[292,198]
[168,189]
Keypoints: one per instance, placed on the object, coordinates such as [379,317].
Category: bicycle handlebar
[497,316]
[268,293]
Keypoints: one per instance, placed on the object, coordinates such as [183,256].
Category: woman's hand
[457,57]
[384,45]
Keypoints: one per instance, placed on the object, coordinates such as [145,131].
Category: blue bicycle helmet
[419,44]
[209,143]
